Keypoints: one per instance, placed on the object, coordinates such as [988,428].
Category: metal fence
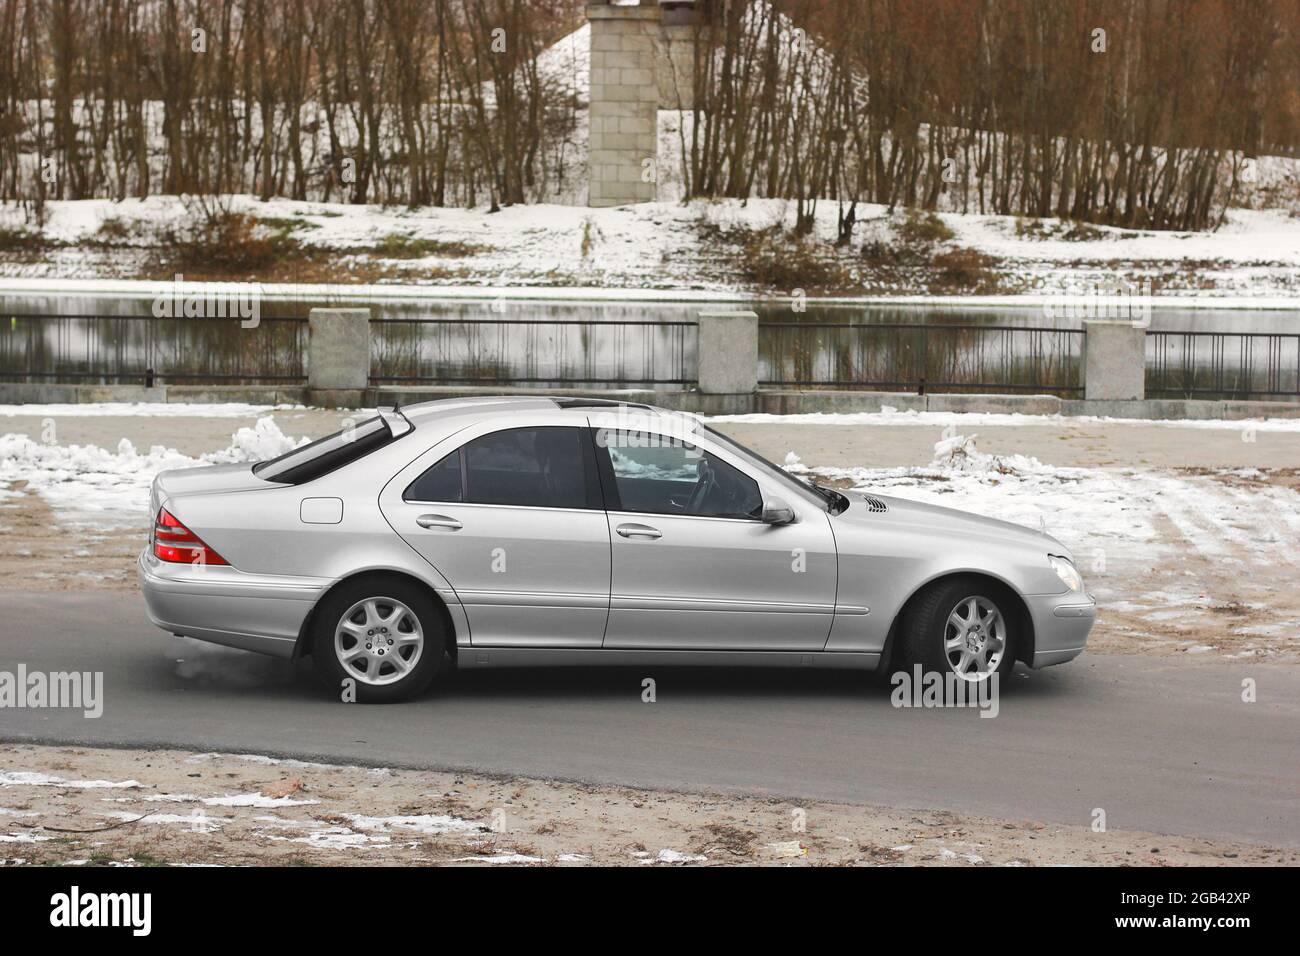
[144,349]
[533,351]
[913,357]
[1241,365]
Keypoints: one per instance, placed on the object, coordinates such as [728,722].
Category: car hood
[903,513]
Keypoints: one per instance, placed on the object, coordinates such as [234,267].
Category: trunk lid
[203,480]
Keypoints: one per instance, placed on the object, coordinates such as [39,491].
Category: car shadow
[228,671]
[618,682]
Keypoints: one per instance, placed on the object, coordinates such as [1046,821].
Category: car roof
[501,405]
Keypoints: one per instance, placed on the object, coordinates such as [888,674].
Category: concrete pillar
[338,349]
[624,111]
[727,353]
[1114,367]
[675,63]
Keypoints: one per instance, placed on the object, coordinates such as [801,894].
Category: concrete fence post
[727,353]
[1114,366]
[338,349]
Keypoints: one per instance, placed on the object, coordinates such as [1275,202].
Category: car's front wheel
[378,640]
[962,626]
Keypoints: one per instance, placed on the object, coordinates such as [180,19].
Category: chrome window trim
[484,504]
[666,514]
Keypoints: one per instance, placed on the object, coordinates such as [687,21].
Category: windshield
[753,458]
[326,454]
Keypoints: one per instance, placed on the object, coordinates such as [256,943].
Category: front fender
[884,571]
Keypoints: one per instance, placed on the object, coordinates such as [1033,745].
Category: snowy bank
[665,250]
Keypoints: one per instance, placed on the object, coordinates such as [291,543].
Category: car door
[694,567]
[512,518]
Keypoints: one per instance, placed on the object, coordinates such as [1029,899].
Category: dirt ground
[75,806]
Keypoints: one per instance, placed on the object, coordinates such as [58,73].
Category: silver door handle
[438,521]
[638,531]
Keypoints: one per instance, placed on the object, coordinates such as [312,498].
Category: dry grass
[775,259]
[963,270]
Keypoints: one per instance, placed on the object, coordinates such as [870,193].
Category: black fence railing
[532,352]
[921,358]
[1231,365]
[145,349]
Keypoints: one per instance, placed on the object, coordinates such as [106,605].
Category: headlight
[1066,571]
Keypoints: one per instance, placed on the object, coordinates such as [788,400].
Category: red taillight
[174,542]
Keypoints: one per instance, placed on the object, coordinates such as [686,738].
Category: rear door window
[541,467]
[442,482]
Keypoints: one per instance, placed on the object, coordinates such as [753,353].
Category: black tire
[924,627]
[420,604]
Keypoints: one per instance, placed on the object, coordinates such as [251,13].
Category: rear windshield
[326,454]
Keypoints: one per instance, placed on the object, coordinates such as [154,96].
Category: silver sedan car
[494,532]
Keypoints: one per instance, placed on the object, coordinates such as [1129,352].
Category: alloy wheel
[975,638]
[378,640]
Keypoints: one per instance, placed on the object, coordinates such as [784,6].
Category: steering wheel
[705,485]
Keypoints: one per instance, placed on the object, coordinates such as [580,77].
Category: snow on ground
[429,824]
[654,247]
[1247,235]
[23,778]
[112,487]
[669,856]
[566,63]
[1107,516]
[511,858]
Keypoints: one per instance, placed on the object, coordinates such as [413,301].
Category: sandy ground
[83,806]
[1229,600]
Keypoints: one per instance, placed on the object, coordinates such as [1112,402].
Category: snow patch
[672,856]
[431,824]
[255,800]
[499,858]
[23,778]
[339,838]
[1110,516]
[113,486]
[197,821]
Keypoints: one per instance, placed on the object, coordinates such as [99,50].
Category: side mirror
[776,511]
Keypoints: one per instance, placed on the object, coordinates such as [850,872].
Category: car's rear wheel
[378,640]
[962,626]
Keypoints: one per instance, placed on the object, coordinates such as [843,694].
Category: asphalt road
[1161,744]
